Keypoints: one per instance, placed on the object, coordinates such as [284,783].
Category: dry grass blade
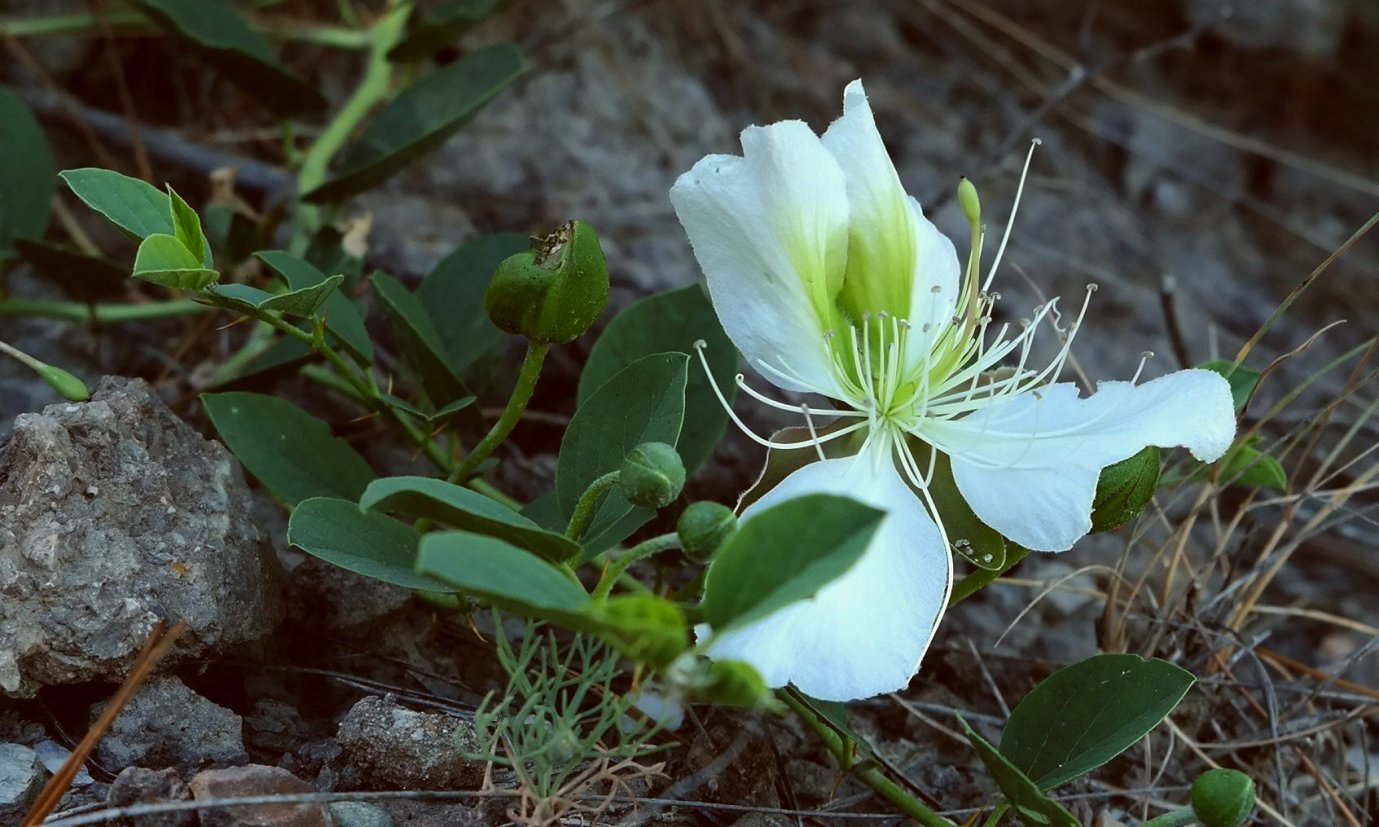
[158,645]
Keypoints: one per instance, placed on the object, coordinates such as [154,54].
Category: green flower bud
[645,628]
[1223,798]
[652,475]
[728,682]
[553,292]
[703,527]
[65,383]
[967,199]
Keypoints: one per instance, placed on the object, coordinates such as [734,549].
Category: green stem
[584,508]
[517,405]
[969,585]
[26,359]
[867,774]
[103,313]
[373,88]
[641,551]
[63,23]
[365,388]
[1176,818]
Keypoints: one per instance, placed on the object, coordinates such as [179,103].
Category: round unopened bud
[735,683]
[967,199]
[1223,798]
[553,292]
[652,475]
[703,527]
[65,383]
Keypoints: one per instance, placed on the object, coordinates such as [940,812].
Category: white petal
[864,633]
[770,232]
[896,256]
[1029,465]
[936,285]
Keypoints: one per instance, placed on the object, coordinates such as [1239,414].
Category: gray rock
[115,514]
[53,755]
[21,777]
[167,724]
[359,814]
[387,746]
[136,785]
[255,780]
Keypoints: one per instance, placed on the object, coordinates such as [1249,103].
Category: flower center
[870,367]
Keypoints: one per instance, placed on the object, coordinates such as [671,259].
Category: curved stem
[373,88]
[584,508]
[641,551]
[517,404]
[869,775]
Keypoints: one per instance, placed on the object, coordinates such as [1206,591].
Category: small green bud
[1223,798]
[967,199]
[703,527]
[652,475]
[64,383]
[728,682]
[553,292]
[645,628]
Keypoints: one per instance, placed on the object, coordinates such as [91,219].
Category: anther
[936,289]
[700,344]
[1092,288]
[1148,354]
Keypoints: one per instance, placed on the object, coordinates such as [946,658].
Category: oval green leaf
[421,118]
[785,554]
[1031,805]
[1084,715]
[672,322]
[287,449]
[503,575]
[369,544]
[461,508]
[418,340]
[644,402]
[136,207]
[27,174]
[453,295]
[163,259]
[82,277]
[1124,489]
[216,33]
[442,26]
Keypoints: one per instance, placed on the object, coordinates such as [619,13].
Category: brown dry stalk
[154,650]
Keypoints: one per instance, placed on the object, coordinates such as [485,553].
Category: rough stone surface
[167,724]
[115,514]
[359,814]
[387,746]
[21,777]
[137,785]
[322,594]
[252,780]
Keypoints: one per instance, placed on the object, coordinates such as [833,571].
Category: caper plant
[931,446]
